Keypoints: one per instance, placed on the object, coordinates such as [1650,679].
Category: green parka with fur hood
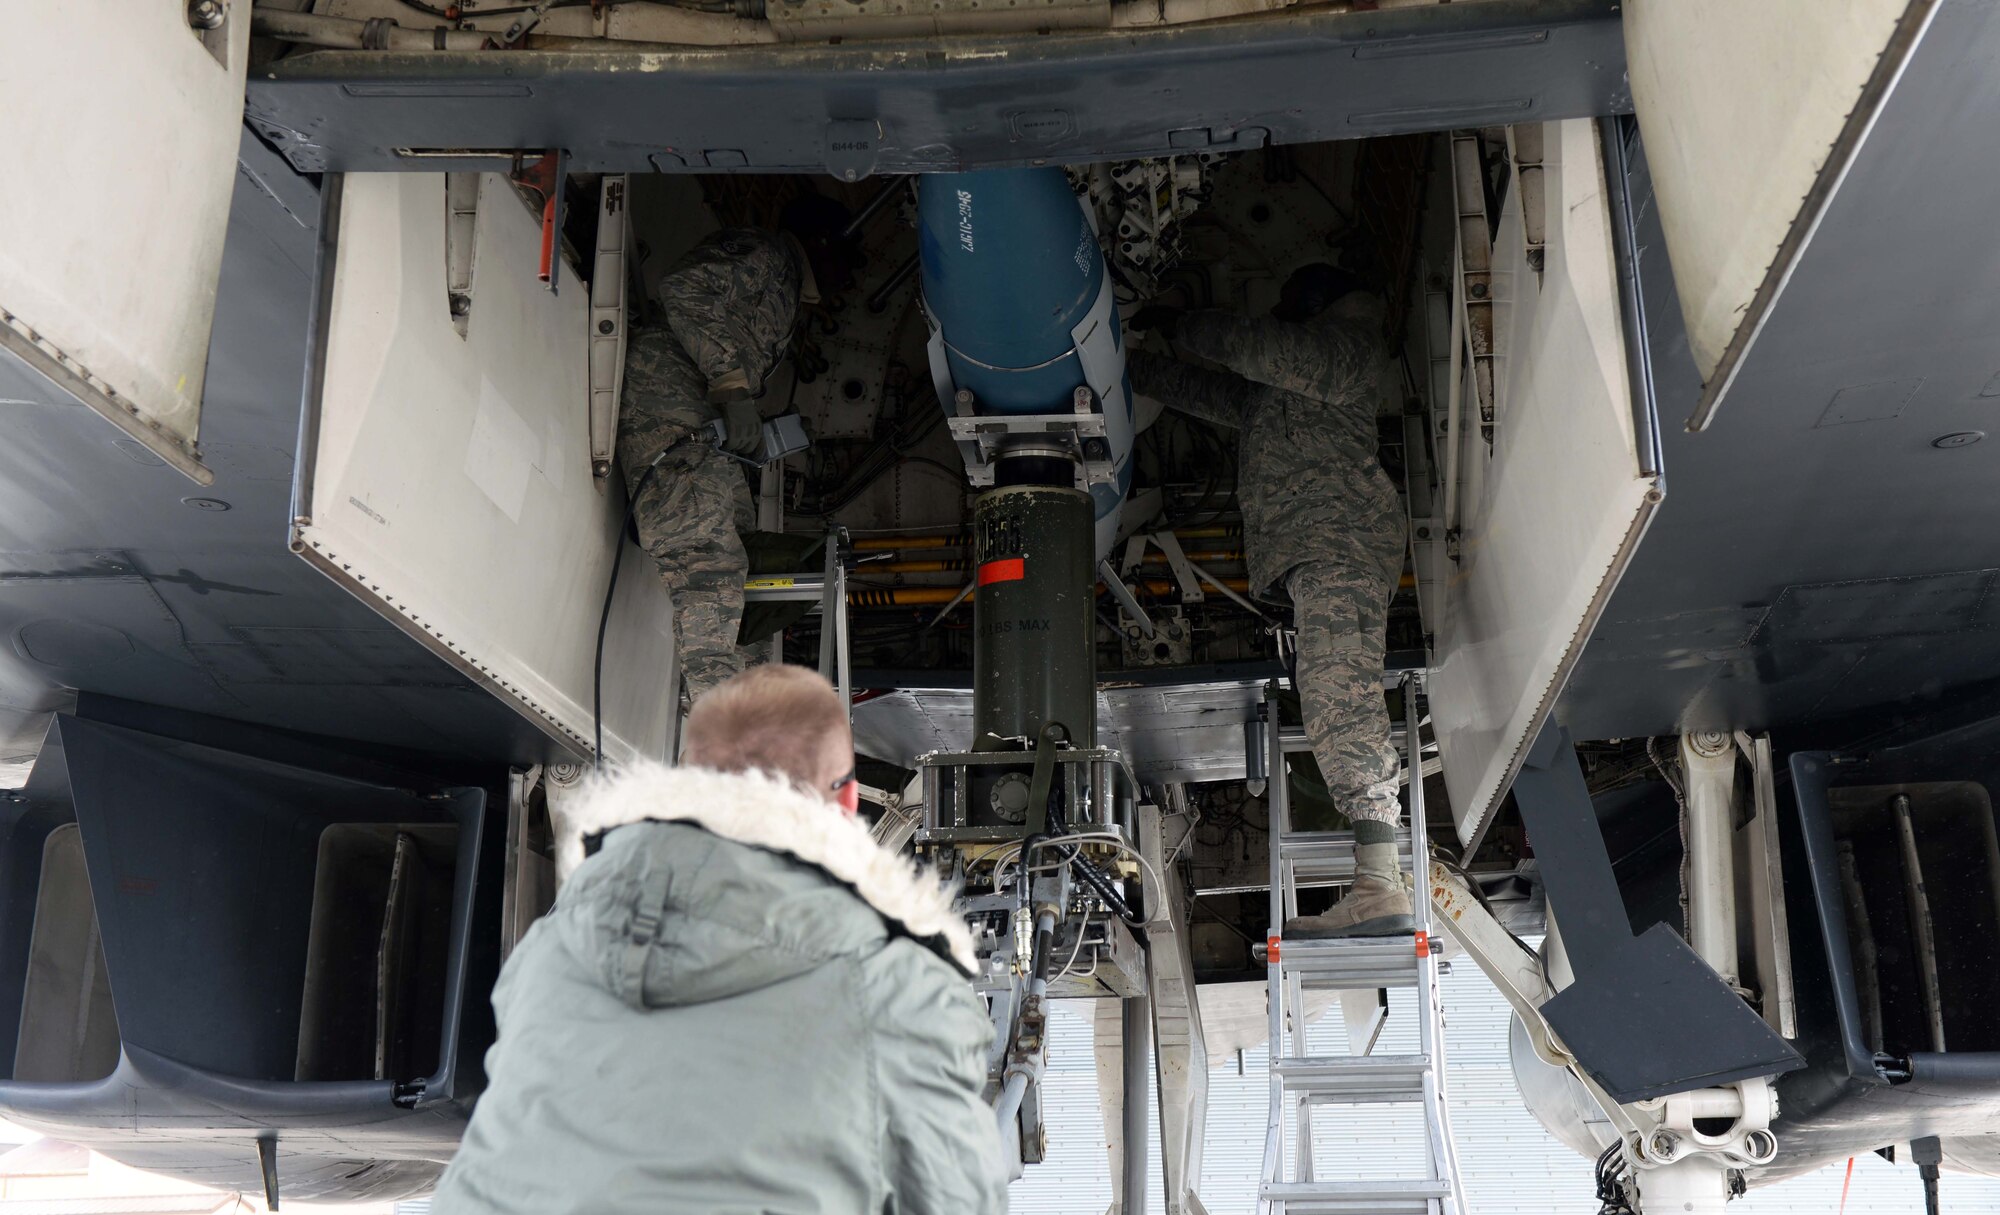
[741,1005]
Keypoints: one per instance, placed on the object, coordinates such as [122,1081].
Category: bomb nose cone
[1016,284]
[1010,268]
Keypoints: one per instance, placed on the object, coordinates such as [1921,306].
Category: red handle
[548,236]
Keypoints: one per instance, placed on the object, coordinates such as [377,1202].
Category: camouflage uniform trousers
[1342,613]
[690,521]
[728,305]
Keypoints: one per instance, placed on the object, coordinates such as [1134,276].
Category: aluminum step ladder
[828,589]
[1303,1080]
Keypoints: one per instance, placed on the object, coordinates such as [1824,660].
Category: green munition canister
[1034,647]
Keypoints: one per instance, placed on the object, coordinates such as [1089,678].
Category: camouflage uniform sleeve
[731,302]
[1211,396]
[1323,363]
[665,398]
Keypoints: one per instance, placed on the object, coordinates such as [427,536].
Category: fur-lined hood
[763,812]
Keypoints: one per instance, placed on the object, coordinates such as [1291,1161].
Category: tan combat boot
[1377,905]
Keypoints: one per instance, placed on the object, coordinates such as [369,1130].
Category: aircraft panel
[1752,114]
[121,172]
[976,101]
[449,479]
[1552,511]
[1800,501]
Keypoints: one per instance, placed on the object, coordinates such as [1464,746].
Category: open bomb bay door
[124,122]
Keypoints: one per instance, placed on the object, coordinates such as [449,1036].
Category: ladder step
[785,588]
[1356,1078]
[1352,963]
[1320,854]
[1354,1197]
[1356,964]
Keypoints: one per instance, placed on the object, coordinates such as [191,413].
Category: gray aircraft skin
[1818,571]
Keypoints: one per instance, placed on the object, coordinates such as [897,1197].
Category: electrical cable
[1082,930]
[1611,1197]
[604,617]
[1096,956]
[1100,884]
[1092,876]
[1216,917]
[1676,781]
[1204,437]
[1112,841]
[431,10]
[894,437]
[878,460]
[1088,873]
[956,474]
[618,561]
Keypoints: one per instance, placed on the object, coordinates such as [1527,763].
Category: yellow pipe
[1239,584]
[1212,556]
[919,596]
[1160,586]
[901,596]
[915,596]
[883,544]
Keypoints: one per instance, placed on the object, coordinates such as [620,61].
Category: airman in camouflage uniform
[729,306]
[1323,520]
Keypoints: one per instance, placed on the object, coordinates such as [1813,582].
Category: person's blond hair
[784,720]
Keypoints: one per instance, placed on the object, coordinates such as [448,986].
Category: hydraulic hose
[634,27]
[604,617]
[378,34]
[1020,1073]
[1140,14]
[1087,871]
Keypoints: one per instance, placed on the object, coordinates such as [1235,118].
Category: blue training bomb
[1022,312]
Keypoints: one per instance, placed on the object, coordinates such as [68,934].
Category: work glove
[1159,318]
[745,435]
